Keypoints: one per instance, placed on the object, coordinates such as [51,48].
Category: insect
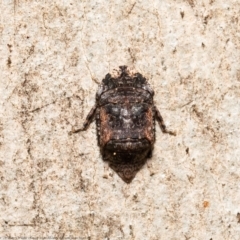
[125,117]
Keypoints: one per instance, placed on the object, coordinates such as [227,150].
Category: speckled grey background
[54,54]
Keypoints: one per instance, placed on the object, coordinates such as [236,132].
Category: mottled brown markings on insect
[105,132]
[148,131]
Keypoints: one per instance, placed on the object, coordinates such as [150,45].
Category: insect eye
[138,110]
[115,111]
[112,110]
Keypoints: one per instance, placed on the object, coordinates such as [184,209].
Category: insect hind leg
[162,125]
[89,119]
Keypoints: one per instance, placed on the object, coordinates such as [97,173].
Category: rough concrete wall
[53,55]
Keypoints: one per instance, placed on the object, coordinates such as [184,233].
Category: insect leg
[88,121]
[159,118]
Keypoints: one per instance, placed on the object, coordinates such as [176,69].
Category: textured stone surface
[53,54]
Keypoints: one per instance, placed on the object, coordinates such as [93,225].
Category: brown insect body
[125,118]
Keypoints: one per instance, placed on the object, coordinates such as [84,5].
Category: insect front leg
[87,122]
[159,118]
